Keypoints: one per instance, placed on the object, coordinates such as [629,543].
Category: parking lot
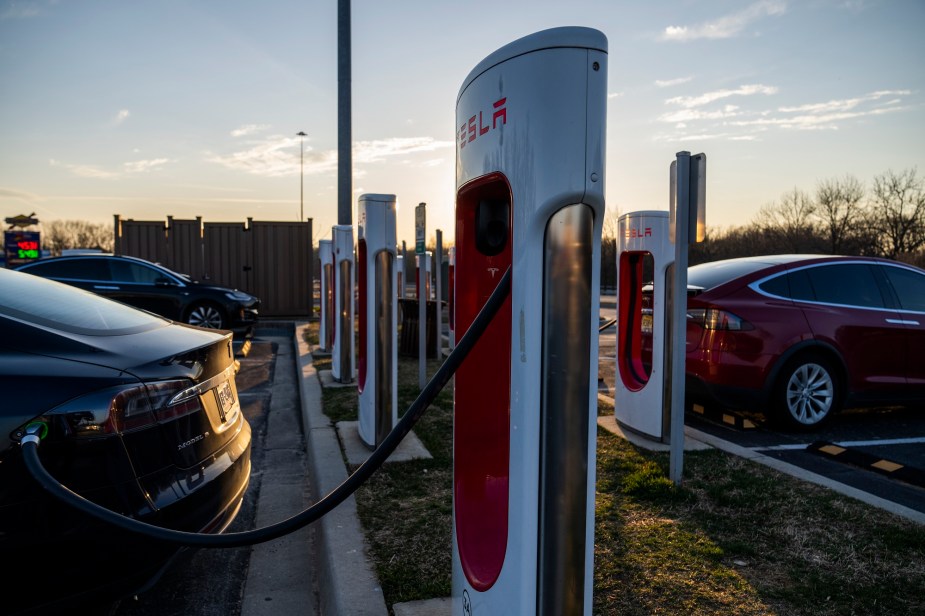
[878,451]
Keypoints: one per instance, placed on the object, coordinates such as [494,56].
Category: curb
[347,582]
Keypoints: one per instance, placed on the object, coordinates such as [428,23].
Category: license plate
[647,323]
[226,399]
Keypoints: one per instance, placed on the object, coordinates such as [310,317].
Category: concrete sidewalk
[347,582]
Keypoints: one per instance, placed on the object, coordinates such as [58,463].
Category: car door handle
[902,322]
[103,287]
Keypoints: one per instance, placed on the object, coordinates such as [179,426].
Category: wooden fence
[271,260]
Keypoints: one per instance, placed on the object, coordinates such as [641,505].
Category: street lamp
[301,135]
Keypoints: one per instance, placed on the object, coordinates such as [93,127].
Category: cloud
[99,173]
[692,115]
[848,103]
[249,129]
[672,82]
[18,195]
[84,171]
[375,151]
[279,156]
[736,124]
[143,166]
[121,116]
[728,26]
[613,95]
[20,10]
[709,97]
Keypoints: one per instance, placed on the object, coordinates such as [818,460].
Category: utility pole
[301,135]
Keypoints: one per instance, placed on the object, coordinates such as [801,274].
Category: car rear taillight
[124,409]
[717,320]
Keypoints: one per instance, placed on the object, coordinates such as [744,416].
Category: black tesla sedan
[139,414]
[152,287]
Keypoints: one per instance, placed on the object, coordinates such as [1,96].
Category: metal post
[301,135]
[344,126]
[420,231]
[678,313]
[438,265]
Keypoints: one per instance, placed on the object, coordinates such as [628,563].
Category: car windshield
[36,300]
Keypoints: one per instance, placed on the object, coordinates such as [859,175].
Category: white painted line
[870,443]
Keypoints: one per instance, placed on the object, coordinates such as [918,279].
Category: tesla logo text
[195,439]
[493,270]
[633,232]
[477,126]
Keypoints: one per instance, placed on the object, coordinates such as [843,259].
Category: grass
[735,538]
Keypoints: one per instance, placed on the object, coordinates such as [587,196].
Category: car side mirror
[164,282]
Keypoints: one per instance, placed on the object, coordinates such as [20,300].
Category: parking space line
[871,462]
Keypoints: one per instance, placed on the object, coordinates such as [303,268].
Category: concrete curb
[346,580]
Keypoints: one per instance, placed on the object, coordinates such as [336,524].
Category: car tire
[207,315]
[807,393]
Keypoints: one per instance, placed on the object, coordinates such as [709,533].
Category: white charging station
[530,162]
[642,240]
[326,326]
[342,356]
[428,286]
[377,350]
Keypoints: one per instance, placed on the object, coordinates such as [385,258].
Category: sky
[190,108]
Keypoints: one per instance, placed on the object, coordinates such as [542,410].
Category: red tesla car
[799,337]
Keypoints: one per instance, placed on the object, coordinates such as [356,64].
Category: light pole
[301,135]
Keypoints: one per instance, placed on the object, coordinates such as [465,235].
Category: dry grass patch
[737,538]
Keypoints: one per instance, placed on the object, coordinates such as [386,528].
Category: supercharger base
[645,254]
[377,352]
[530,134]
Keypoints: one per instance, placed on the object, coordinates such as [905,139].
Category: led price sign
[22,247]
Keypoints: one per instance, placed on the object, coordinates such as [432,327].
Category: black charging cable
[30,444]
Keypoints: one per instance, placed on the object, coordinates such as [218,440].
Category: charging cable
[34,433]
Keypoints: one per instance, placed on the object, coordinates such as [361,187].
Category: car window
[126,271]
[846,284]
[70,269]
[909,286]
[51,304]
[794,285]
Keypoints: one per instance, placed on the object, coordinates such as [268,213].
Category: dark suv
[800,336]
[154,288]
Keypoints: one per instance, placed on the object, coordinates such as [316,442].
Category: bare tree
[790,222]
[59,235]
[897,209]
[839,210]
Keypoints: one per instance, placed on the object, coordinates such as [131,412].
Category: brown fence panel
[272,260]
[142,238]
[229,256]
[184,247]
[283,267]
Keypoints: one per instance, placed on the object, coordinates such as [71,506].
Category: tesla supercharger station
[326,328]
[428,288]
[342,359]
[640,383]
[377,353]
[530,130]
